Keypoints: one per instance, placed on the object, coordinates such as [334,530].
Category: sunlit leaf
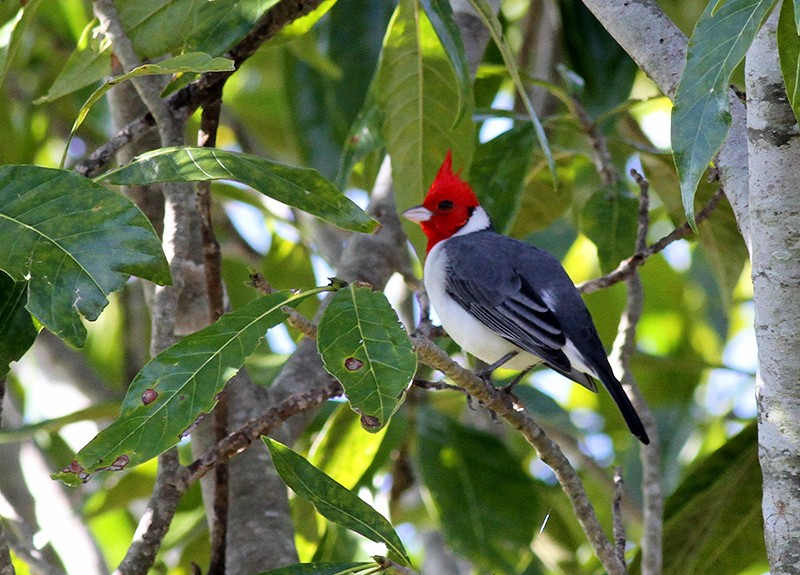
[789,53]
[440,15]
[177,387]
[416,95]
[11,34]
[364,346]
[189,62]
[302,25]
[74,242]
[701,115]
[17,329]
[486,502]
[333,501]
[301,188]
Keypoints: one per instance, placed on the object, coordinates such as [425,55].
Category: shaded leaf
[189,62]
[75,242]
[324,568]
[609,220]
[333,501]
[490,19]
[704,533]
[302,25]
[486,502]
[440,15]
[498,173]
[789,53]
[701,115]
[364,346]
[302,188]
[178,386]
[364,138]
[17,330]
[416,95]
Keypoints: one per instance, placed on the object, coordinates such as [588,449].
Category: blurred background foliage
[440,469]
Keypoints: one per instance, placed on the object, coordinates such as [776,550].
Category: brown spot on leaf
[119,463]
[149,396]
[73,467]
[353,364]
[370,421]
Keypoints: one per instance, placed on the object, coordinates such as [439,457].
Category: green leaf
[209,27]
[178,386]
[789,52]
[440,15]
[324,568]
[486,502]
[17,330]
[333,501]
[609,220]
[416,93]
[486,13]
[342,450]
[301,25]
[704,533]
[364,138]
[301,188]
[11,35]
[701,115]
[364,346]
[189,62]
[75,242]
[498,173]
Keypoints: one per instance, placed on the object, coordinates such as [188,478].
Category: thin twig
[624,349]
[616,512]
[387,564]
[627,267]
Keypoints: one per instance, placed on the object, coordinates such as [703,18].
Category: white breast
[469,333]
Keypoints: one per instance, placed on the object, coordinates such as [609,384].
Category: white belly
[469,333]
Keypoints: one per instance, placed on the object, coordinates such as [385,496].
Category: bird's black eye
[445,205]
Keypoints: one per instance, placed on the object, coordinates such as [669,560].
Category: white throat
[478,221]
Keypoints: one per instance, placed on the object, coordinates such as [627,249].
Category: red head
[447,207]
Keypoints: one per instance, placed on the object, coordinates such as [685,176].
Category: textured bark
[774,148]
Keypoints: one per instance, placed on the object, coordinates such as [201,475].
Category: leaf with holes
[177,387]
[333,501]
[701,115]
[75,242]
[365,347]
[302,188]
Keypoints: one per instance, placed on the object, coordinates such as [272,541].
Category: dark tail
[625,406]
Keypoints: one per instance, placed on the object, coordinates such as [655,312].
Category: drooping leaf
[324,568]
[789,53]
[609,220]
[189,62]
[209,27]
[74,242]
[701,115]
[713,522]
[486,502]
[416,93]
[17,330]
[440,15]
[333,501]
[498,173]
[11,34]
[177,387]
[301,188]
[364,346]
[490,19]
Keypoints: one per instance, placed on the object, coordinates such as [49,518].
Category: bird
[505,301]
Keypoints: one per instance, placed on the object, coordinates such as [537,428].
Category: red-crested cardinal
[504,301]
